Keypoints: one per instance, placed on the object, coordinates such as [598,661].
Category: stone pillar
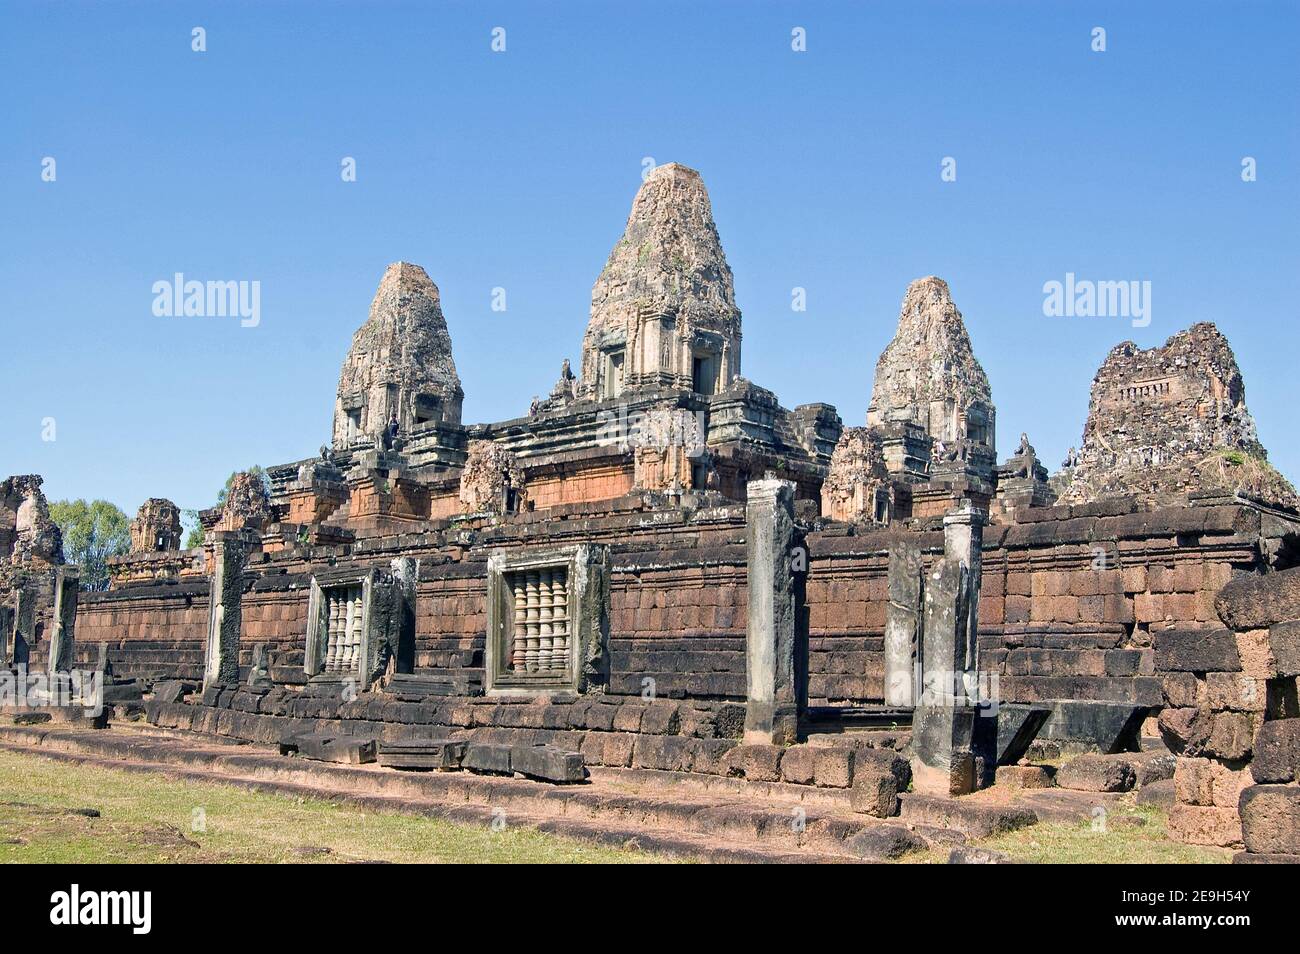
[771,710]
[943,723]
[24,633]
[64,621]
[7,621]
[963,541]
[903,624]
[225,614]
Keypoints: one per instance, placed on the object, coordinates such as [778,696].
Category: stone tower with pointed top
[663,311]
[400,363]
[928,375]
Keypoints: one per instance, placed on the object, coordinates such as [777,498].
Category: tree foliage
[92,532]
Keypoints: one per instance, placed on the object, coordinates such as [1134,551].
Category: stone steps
[713,819]
[718,828]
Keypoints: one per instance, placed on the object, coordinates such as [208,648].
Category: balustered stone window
[546,612]
[540,624]
[343,618]
[359,620]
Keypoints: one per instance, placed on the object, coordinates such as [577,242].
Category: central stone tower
[663,311]
[399,365]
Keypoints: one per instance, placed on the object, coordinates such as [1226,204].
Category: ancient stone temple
[661,567]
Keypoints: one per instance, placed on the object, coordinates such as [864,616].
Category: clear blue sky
[518,169]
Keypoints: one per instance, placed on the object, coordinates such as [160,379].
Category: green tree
[191,517]
[92,532]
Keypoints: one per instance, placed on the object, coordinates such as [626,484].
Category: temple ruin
[661,568]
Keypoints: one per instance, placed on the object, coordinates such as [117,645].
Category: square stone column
[7,622]
[903,624]
[225,611]
[67,583]
[24,632]
[943,724]
[963,541]
[771,709]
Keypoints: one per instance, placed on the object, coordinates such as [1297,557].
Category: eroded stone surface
[247,503]
[1170,420]
[857,487]
[27,533]
[492,481]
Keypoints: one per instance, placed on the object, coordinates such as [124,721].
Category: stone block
[1235,691]
[1256,601]
[943,760]
[1159,794]
[547,763]
[1204,825]
[1231,737]
[1025,776]
[1180,689]
[970,855]
[1196,650]
[172,690]
[1017,727]
[487,757]
[1250,858]
[889,761]
[1270,819]
[758,762]
[833,767]
[1277,752]
[429,754]
[798,765]
[347,749]
[1185,731]
[662,718]
[1110,726]
[1154,767]
[1284,641]
[1094,772]
[1193,782]
[882,843]
[874,792]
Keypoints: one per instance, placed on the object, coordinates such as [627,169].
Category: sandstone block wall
[1072,605]
[1237,780]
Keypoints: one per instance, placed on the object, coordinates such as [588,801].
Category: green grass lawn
[1133,834]
[45,818]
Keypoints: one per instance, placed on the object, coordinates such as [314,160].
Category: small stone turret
[663,311]
[247,504]
[400,364]
[857,487]
[156,527]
